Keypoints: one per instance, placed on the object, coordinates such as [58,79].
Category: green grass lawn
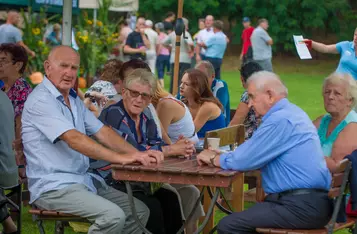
[303,79]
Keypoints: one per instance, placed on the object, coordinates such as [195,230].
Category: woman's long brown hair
[201,91]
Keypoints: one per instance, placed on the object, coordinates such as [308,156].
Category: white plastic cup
[213,143]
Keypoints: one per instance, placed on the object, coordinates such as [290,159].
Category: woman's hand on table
[184,147]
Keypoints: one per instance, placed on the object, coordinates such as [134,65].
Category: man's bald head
[60,50]
[13,17]
[61,68]
[264,90]
[209,21]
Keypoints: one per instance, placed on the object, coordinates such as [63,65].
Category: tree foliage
[286,18]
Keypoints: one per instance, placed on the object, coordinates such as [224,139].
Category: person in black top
[137,42]
[169,22]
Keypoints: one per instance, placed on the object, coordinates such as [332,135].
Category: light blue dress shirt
[216,45]
[348,61]
[51,163]
[286,148]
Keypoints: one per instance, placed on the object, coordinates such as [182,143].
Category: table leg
[238,193]
[206,203]
[260,195]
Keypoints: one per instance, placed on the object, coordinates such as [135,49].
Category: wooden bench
[61,219]
[338,185]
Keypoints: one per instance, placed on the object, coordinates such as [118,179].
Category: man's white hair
[264,79]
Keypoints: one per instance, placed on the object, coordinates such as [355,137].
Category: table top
[176,171]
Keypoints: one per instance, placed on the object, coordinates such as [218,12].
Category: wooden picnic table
[187,171]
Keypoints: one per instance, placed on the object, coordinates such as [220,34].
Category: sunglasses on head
[135,94]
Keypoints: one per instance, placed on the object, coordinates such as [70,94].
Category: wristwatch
[88,95]
[213,157]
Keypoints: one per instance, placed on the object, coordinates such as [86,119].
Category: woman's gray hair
[265,78]
[343,78]
[143,77]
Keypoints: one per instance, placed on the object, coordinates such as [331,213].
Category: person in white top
[153,39]
[203,36]
[177,122]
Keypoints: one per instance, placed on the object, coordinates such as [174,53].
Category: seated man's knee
[115,217]
[195,192]
[224,226]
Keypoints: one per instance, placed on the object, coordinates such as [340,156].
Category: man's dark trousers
[217,63]
[304,211]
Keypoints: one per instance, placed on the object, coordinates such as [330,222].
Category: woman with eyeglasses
[131,120]
[206,110]
[125,70]
[13,61]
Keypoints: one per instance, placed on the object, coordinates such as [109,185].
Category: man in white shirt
[203,36]
[153,39]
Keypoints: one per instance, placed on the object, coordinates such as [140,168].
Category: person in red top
[247,33]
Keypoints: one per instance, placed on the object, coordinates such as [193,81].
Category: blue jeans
[162,62]
[217,63]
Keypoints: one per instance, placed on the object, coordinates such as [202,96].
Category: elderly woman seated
[338,128]
[130,118]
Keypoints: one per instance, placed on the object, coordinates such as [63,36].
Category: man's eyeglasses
[135,94]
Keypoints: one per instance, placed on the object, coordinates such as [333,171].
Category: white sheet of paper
[301,47]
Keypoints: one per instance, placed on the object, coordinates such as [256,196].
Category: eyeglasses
[135,94]
[4,62]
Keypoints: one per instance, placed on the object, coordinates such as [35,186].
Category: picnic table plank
[210,171]
[173,177]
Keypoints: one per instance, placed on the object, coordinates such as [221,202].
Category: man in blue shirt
[215,47]
[55,125]
[286,148]
[219,88]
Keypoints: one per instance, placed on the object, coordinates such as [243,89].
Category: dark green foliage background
[321,18]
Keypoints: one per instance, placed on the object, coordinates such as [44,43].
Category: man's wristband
[21,166]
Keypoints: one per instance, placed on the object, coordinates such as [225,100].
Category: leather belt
[302,191]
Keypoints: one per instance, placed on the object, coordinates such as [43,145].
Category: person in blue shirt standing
[215,47]
[347,50]
[286,148]
[219,88]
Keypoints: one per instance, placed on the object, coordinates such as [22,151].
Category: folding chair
[14,199]
[338,186]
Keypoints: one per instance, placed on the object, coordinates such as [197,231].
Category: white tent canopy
[117,5]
